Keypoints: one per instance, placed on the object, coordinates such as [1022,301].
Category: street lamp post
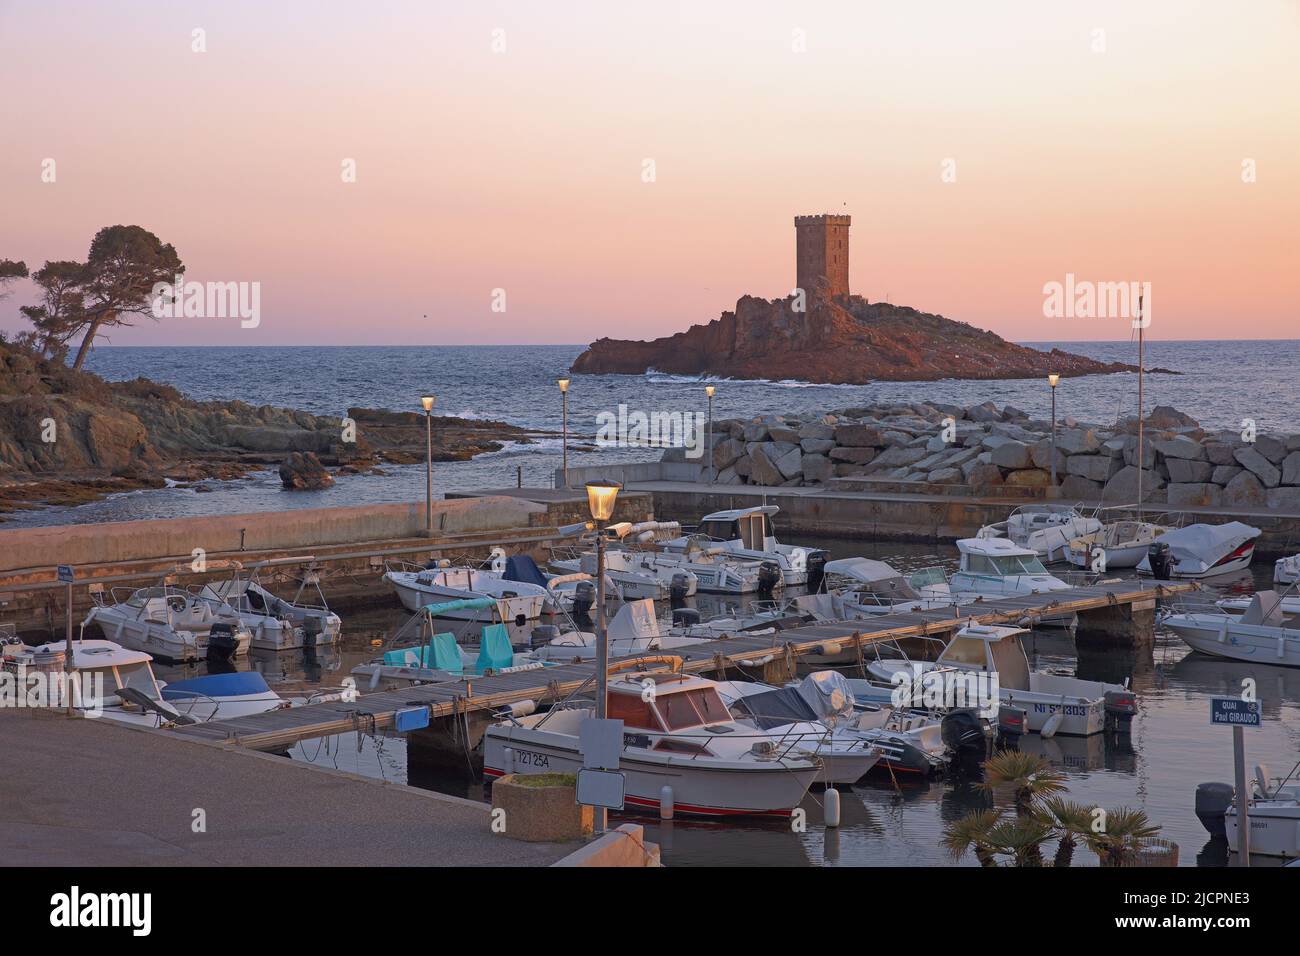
[708,441]
[601,496]
[427,401]
[564,402]
[1052,380]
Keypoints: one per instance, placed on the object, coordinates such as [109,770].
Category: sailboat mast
[1141,463]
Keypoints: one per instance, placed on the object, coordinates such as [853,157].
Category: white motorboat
[1201,551]
[170,623]
[636,574]
[1261,634]
[1047,530]
[1118,544]
[677,735]
[274,623]
[1274,814]
[997,567]
[747,533]
[119,684]
[633,630]
[906,743]
[421,651]
[1286,570]
[1053,703]
[875,587]
[417,587]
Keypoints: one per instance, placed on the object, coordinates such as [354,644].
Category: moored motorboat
[418,587]
[1201,551]
[1274,814]
[994,567]
[678,736]
[276,624]
[1117,544]
[1261,634]
[1287,570]
[1053,703]
[169,623]
[633,630]
[747,533]
[1045,529]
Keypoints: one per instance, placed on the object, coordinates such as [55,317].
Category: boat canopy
[735,513]
[1207,542]
[522,568]
[234,684]
[464,604]
[863,569]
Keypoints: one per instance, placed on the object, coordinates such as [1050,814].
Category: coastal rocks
[763,471]
[1099,468]
[304,472]
[1185,470]
[1123,485]
[1012,454]
[859,436]
[1264,469]
[1244,491]
[1194,493]
[1077,488]
[1077,441]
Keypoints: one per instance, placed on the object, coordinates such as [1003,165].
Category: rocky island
[821,333]
[69,436]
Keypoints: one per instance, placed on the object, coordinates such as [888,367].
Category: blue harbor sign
[66,575]
[1234,712]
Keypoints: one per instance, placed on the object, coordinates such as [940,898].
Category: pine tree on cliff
[113,286]
[9,271]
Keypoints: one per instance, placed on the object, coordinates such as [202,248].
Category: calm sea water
[1223,382]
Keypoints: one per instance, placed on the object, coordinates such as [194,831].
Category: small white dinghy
[1053,703]
[1262,634]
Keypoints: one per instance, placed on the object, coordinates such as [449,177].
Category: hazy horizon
[982,152]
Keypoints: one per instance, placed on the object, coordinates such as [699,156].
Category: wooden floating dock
[280,729]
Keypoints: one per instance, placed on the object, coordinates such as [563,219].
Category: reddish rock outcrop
[842,341]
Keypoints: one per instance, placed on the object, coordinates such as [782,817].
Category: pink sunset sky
[522,169]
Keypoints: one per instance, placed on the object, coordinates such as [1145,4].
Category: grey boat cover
[824,696]
[1208,542]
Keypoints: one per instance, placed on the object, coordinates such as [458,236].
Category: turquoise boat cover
[495,651]
[442,654]
[465,604]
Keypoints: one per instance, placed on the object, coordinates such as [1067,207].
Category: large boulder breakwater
[988,450]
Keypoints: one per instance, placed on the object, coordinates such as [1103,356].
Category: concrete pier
[81,792]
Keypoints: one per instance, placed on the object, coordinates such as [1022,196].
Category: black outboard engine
[963,732]
[769,577]
[679,589]
[1121,708]
[1212,801]
[685,617]
[584,596]
[542,635]
[1158,558]
[816,570]
[311,630]
[222,644]
[1013,723]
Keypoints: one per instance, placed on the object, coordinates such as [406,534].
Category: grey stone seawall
[990,451]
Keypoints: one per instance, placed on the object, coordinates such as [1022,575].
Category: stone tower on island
[822,253]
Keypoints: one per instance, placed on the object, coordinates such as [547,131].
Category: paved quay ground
[79,792]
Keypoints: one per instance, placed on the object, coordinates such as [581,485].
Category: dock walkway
[277,730]
[82,792]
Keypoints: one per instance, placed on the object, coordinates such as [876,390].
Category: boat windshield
[927,577]
[691,708]
[138,677]
[1005,565]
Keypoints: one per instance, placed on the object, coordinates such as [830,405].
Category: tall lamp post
[427,401]
[601,496]
[564,403]
[708,440]
[1052,380]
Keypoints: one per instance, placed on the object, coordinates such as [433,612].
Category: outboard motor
[542,635]
[311,630]
[769,577]
[584,596]
[678,589]
[1013,722]
[1121,708]
[816,570]
[1158,558]
[685,617]
[1212,802]
[222,644]
[963,732]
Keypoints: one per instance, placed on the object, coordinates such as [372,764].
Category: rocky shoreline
[984,448]
[68,437]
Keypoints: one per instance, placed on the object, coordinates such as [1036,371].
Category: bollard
[666,803]
[832,807]
[508,758]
